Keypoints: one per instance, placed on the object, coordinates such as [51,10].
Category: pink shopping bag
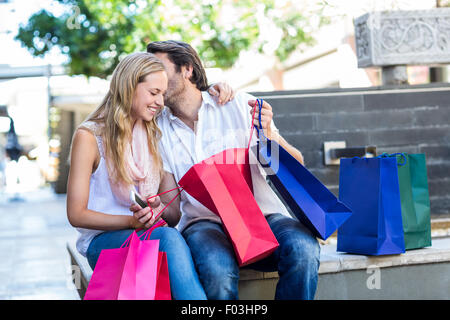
[131,272]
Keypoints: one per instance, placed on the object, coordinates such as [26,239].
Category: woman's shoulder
[94,127]
[85,144]
[84,136]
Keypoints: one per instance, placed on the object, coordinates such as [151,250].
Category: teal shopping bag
[415,199]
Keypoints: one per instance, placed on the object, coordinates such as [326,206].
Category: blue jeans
[296,259]
[184,281]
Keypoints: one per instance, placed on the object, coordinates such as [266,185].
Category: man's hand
[144,217]
[222,92]
[266,120]
[266,117]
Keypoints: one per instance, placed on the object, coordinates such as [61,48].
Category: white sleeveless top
[101,197]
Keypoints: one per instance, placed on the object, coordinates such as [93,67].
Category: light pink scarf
[140,168]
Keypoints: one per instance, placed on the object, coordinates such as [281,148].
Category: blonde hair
[114,113]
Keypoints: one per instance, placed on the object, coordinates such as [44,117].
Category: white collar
[207,99]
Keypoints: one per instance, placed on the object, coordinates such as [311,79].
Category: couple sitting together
[152,126]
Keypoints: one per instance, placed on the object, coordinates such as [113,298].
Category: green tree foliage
[94,34]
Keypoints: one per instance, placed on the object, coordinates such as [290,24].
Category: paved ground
[34,263]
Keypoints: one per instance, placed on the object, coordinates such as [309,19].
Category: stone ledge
[330,260]
[333,262]
[443,223]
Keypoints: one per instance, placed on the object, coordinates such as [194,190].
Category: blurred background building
[300,55]
[47,103]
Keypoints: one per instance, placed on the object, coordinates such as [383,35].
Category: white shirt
[101,197]
[218,128]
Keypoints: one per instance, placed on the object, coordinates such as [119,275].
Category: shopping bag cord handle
[252,126]
[146,234]
[260,103]
[160,213]
[386,155]
[159,223]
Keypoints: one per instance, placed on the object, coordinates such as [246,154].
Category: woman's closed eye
[156,92]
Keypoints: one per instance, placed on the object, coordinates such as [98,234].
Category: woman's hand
[266,117]
[143,217]
[222,91]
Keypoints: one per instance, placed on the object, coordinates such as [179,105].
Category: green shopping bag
[415,199]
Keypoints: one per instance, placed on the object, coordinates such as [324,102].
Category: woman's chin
[147,117]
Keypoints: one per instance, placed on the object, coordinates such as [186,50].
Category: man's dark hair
[182,54]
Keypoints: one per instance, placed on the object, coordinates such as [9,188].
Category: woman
[115,151]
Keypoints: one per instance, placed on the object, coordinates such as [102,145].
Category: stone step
[416,274]
[440,228]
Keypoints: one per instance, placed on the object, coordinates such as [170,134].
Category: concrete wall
[65,130]
[412,282]
[413,119]
[70,119]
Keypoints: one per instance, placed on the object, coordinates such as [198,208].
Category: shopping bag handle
[266,140]
[160,213]
[387,155]
[251,129]
[146,234]
[354,158]
[259,103]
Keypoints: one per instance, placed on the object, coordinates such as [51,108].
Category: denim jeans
[184,281]
[296,259]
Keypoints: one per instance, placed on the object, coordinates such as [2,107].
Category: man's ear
[187,71]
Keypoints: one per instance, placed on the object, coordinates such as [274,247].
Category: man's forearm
[171,215]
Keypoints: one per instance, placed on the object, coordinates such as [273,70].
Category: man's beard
[174,95]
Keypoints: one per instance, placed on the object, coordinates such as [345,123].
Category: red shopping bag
[135,271]
[223,184]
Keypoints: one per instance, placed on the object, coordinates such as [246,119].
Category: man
[194,128]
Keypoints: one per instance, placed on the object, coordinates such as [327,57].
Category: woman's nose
[160,100]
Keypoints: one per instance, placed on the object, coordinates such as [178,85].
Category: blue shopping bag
[370,188]
[311,202]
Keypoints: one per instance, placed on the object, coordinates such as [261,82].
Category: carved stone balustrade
[394,39]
